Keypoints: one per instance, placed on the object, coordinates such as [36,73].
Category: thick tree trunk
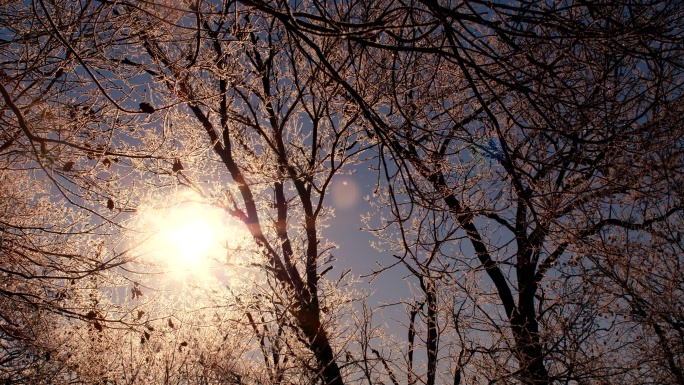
[528,350]
[525,328]
[310,324]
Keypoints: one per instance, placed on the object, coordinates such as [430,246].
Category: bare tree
[530,157]
[538,127]
[48,230]
[221,78]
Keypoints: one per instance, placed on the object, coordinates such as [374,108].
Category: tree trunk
[525,329]
[310,324]
[528,350]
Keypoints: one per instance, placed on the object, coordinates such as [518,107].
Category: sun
[187,236]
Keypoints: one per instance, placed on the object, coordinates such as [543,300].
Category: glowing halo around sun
[186,236]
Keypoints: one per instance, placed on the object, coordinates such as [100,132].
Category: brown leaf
[140,314]
[147,335]
[91,314]
[135,291]
[110,204]
[146,108]
[177,165]
[68,166]
[171,325]
[182,345]
[98,325]
[106,162]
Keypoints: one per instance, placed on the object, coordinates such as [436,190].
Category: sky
[350,194]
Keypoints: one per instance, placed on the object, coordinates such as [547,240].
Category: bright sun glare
[188,236]
[188,239]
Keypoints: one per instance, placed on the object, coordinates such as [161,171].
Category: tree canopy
[528,183]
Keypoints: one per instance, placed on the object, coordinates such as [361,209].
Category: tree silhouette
[529,158]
